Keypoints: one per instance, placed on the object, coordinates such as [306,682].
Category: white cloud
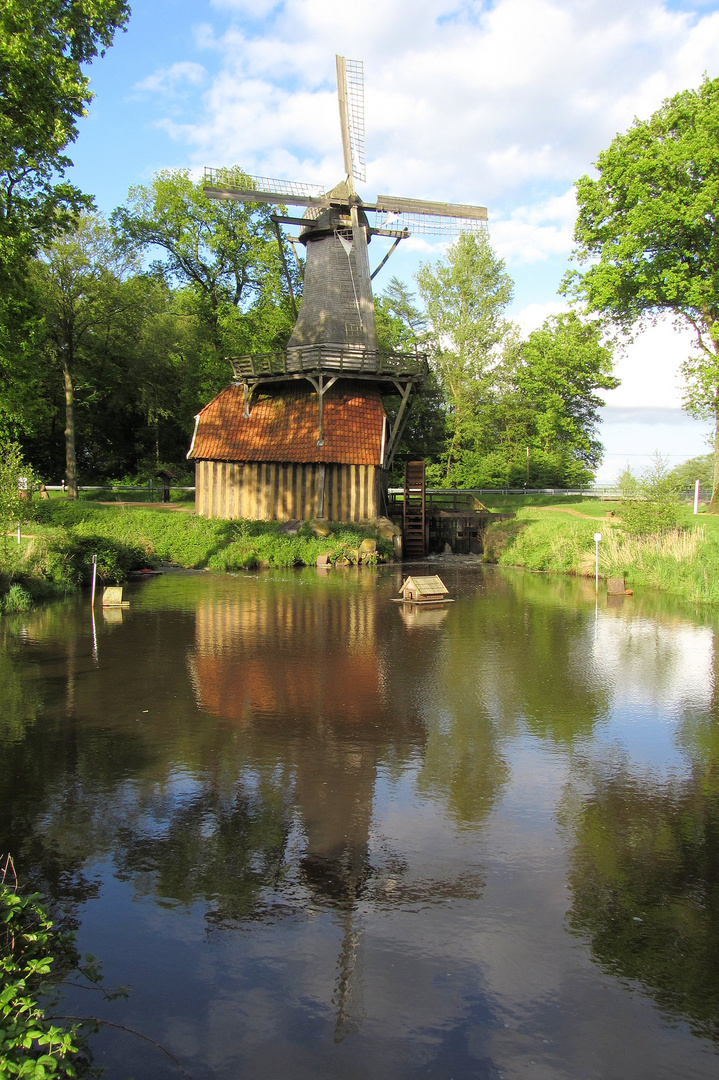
[534,315]
[649,368]
[463,103]
[531,233]
[170,79]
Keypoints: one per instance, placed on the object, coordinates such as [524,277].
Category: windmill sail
[238,186]
[350,91]
[424,216]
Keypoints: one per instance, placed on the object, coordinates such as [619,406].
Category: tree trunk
[70,455]
[713,507]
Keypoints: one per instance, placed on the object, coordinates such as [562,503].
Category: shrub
[650,502]
[16,599]
[30,1044]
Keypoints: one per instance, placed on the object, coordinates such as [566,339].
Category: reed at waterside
[681,561]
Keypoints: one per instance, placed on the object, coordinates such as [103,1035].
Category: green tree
[85,303]
[45,47]
[650,501]
[562,365]
[402,327]
[16,484]
[535,418]
[224,257]
[44,89]
[465,297]
[646,235]
[688,472]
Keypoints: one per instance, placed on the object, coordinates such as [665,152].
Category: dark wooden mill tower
[303,433]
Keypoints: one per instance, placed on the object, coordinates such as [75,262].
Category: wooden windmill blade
[239,187]
[350,91]
[425,216]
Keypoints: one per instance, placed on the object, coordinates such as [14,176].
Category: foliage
[562,365]
[89,308]
[45,46]
[646,232]
[16,484]
[465,297]
[682,562]
[15,599]
[31,1046]
[650,502]
[225,257]
[133,538]
[685,476]
[535,417]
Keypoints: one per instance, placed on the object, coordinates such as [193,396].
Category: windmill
[303,433]
[335,335]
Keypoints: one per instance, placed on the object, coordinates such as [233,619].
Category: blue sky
[502,104]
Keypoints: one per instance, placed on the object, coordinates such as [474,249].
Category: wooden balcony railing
[329,359]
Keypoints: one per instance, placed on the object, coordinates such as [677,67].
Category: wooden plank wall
[278,491]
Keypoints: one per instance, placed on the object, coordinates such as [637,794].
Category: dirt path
[576,513]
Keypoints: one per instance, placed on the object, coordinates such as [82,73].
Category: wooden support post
[321,387]
[281,246]
[399,423]
[294,241]
[390,252]
[321,491]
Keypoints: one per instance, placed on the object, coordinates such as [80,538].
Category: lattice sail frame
[264,185]
[355,109]
[427,224]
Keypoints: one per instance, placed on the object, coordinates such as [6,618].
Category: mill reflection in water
[323,835]
[307,671]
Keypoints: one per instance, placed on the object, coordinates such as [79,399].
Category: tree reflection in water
[230,755]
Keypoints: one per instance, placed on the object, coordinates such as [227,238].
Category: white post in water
[597,538]
[696,497]
[94,579]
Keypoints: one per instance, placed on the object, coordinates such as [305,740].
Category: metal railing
[585,493]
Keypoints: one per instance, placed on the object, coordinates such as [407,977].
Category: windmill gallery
[304,433]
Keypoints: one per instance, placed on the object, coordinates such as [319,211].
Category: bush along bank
[34,958]
[682,560]
[56,555]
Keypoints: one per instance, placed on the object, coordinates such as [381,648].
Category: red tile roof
[283,425]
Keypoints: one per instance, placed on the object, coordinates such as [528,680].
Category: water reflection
[645,885]
[358,810]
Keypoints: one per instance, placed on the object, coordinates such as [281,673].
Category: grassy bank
[55,555]
[560,539]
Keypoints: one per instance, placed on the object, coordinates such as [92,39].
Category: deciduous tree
[465,297]
[646,235]
[225,258]
[44,89]
[85,301]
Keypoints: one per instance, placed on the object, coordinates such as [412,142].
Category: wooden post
[321,491]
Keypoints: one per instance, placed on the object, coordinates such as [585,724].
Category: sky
[502,104]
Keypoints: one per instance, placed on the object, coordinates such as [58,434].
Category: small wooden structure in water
[424,590]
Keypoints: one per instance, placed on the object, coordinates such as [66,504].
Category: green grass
[57,550]
[682,562]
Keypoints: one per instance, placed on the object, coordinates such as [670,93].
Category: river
[320,835]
